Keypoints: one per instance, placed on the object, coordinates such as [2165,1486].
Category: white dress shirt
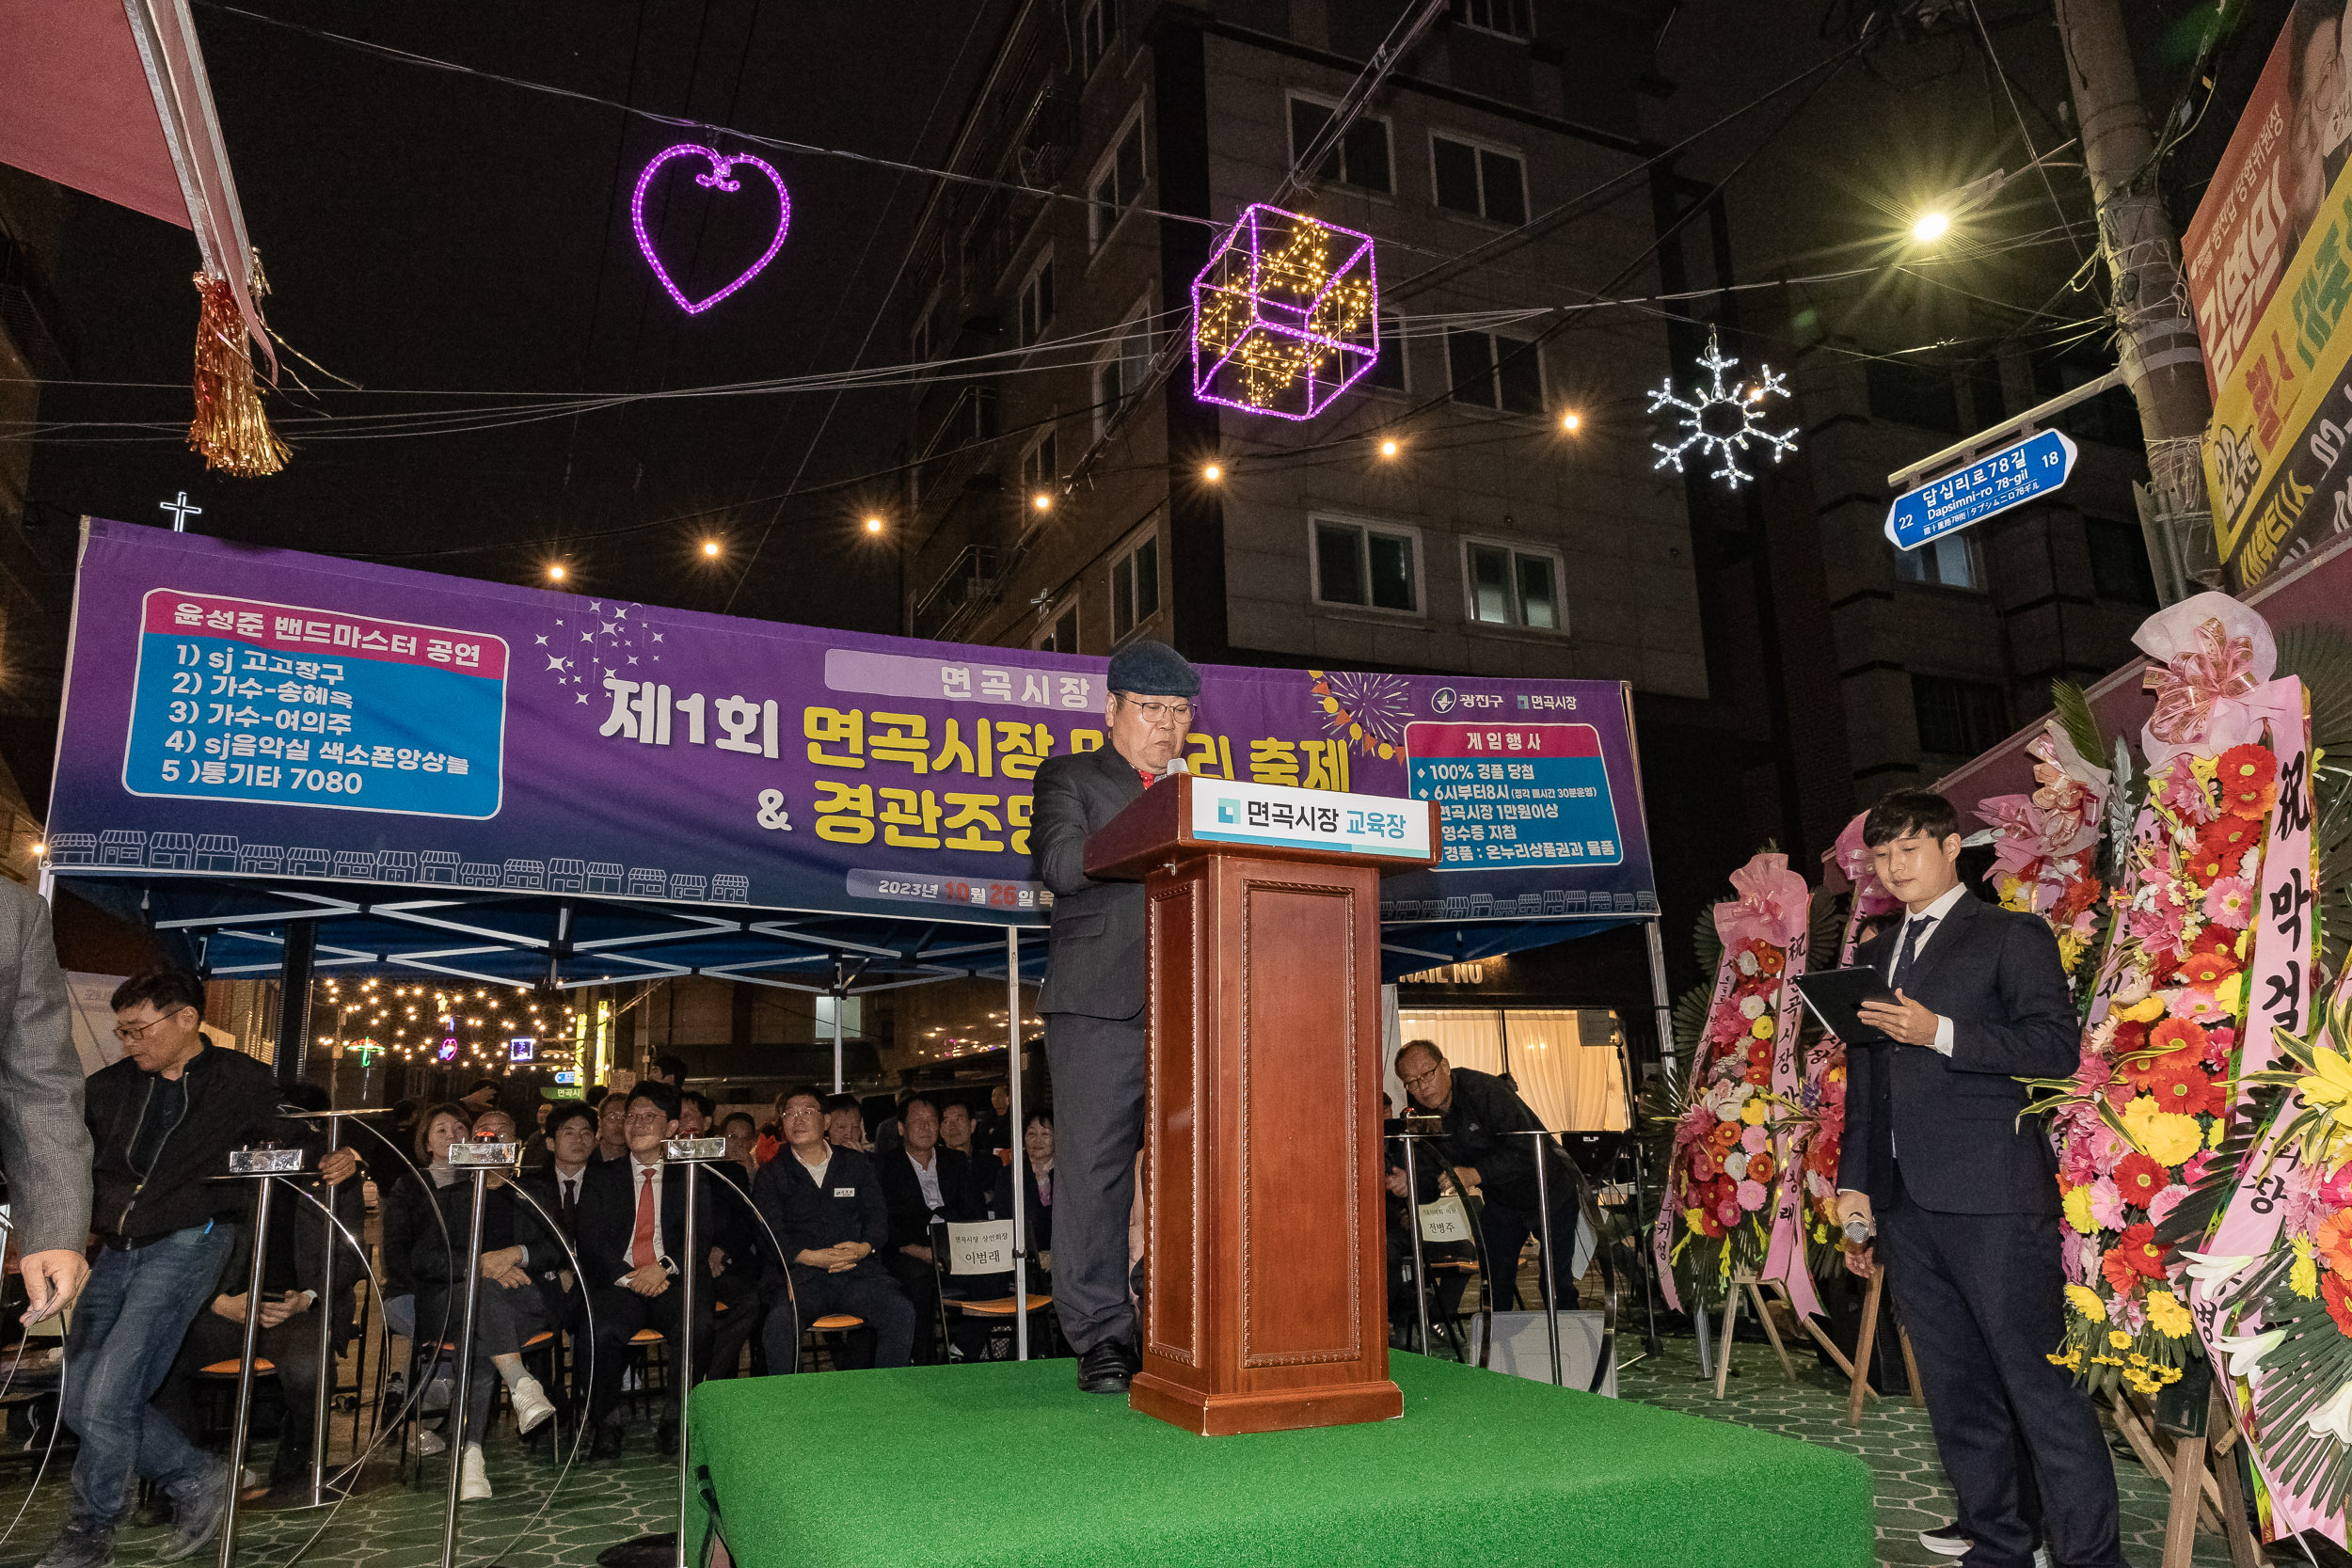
[636,1185]
[1932,918]
[927,1178]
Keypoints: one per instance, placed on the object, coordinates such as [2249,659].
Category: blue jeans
[126,1332]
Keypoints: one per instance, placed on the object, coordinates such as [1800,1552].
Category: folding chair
[980,1251]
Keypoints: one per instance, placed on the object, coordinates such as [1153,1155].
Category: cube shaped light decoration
[1285,317]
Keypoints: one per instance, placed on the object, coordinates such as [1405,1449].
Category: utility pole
[2162,362]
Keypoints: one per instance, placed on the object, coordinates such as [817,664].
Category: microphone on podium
[1175,766]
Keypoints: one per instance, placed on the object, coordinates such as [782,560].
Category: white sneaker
[532,1408]
[429,1441]
[473,1480]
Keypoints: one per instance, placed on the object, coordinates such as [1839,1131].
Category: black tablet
[1835,996]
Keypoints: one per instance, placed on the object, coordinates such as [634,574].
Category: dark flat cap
[1154,670]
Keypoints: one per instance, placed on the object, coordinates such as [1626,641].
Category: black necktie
[1913,934]
[571,1201]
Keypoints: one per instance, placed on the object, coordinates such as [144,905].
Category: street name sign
[2034,467]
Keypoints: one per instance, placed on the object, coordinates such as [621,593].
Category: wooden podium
[1265,1306]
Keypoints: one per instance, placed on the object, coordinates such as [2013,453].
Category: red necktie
[1149,779]
[641,1248]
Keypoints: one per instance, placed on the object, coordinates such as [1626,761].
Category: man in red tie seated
[631,1236]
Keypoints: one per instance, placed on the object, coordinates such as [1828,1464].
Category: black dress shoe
[606,1444]
[1107,1368]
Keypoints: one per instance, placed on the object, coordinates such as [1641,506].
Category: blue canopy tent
[299,764]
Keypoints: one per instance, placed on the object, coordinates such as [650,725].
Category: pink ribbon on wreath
[1853,859]
[1774,904]
[2214,666]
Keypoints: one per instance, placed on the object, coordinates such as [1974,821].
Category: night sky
[425,230]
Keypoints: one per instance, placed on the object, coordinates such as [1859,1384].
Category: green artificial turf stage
[1008,1464]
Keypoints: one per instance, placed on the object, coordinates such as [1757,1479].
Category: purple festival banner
[233,711]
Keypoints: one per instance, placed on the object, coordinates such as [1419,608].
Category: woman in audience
[1036,1140]
[408,1211]
[508,1309]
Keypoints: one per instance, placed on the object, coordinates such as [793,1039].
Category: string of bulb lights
[421,1021]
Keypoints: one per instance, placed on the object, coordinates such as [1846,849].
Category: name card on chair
[1444,1221]
[983,1248]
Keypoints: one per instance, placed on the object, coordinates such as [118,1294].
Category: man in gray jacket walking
[1093,1003]
[44,1145]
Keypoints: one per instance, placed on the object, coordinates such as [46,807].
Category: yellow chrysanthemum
[2166,1316]
[1762,1027]
[2085,1302]
[2117,1338]
[2146,1010]
[2164,1136]
[1753,1113]
[2077,1206]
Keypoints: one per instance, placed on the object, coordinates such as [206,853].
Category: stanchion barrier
[693,1154]
[57,1421]
[478,1160]
[261,1166]
[320,1409]
[1589,1212]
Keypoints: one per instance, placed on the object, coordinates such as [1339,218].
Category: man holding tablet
[1963,1198]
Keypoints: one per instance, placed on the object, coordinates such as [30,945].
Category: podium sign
[1265,1301]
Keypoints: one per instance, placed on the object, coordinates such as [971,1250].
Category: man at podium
[1093,1003]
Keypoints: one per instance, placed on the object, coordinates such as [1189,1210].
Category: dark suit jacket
[1094,951]
[902,1195]
[608,1218]
[44,1145]
[850,1208]
[1995,974]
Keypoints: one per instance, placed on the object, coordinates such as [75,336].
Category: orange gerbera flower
[2185,1087]
[2248,777]
[2205,970]
[2334,1241]
[2139,1178]
[1761,1167]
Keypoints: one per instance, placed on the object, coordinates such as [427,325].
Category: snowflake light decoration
[1723,420]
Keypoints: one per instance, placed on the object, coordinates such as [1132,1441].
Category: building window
[1360,160]
[1060,635]
[1951,562]
[1037,302]
[1116,184]
[1513,18]
[1099,27]
[1378,568]
[1492,371]
[1039,469]
[1134,588]
[1479,181]
[1388,371]
[1119,376]
[1921,395]
[1509,586]
[1957,719]
[2118,562]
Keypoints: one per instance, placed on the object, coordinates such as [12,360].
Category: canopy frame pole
[1662,1007]
[840,1001]
[1020,1146]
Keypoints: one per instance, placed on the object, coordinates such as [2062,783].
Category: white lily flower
[2246,1350]
[2334,1418]
[2211,1269]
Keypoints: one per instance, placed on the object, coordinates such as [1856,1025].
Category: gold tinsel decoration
[230,428]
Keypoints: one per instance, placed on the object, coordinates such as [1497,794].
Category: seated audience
[845,1122]
[1036,1186]
[922,1185]
[991,1133]
[508,1307]
[742,1135]
[571,1150]
[955,1128]
[632,1232]
[740,1256]
[611,1135]
[824,1204]
[162,1118]
[696,1109]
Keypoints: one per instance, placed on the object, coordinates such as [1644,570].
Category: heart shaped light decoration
[722,165]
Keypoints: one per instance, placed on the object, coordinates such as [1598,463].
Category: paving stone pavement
[400,1527]
[1894,1440]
